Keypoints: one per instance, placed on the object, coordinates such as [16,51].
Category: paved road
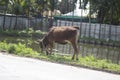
[17,68]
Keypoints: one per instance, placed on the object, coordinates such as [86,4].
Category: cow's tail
[76,27]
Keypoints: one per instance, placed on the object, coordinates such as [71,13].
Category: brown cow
[60,35]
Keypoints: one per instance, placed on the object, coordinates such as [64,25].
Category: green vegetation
[18,49]
[90,62]
[34,7]
[106,11]
[24,33]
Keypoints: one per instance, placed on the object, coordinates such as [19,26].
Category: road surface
[17,68]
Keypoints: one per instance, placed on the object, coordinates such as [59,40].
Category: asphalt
[19,68]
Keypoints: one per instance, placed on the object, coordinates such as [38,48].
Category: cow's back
[62,33]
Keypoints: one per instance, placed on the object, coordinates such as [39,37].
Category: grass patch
[90,62]
[18,49]
[25,33]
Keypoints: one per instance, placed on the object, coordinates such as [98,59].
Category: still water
[111,54]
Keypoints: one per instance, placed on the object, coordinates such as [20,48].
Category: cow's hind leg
[74,44]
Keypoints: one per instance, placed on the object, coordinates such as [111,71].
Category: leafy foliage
[25,33]
[18,49]
[107,10]
[66,6]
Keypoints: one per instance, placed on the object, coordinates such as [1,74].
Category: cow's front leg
[50,48]
[47,50]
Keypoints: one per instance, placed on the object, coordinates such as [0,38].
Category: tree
[27,7]
[66,6]
[4,3]
[41,6]
[17,9]
[108,11]
[20,7]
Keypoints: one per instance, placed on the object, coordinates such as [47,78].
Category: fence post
[111,16]
[90,21]
[118,59]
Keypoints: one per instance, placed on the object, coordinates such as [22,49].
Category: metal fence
[90,32]
[105,40]
[95,33]
[13,22]
[92,28]
[111,54]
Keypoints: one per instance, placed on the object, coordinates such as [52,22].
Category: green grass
[18,49]
[89,62]
[25,33]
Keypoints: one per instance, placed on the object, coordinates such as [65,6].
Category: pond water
[111,54]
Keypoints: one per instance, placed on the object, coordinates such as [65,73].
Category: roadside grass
[88,61]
